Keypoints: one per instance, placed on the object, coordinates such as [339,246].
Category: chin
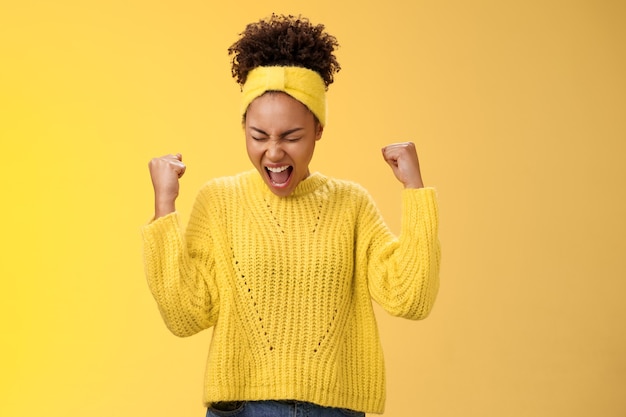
[280,191]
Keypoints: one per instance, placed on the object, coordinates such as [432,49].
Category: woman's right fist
[165,172]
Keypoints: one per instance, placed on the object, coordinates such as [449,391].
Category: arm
[180,270]
[404,273]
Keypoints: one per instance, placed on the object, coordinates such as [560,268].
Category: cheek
[252,150]
[305,153]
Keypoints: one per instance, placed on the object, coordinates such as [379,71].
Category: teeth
[279,169]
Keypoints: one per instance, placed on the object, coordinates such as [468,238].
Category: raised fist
[165,172]
[402,158]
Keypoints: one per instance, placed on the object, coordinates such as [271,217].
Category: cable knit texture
[288,281]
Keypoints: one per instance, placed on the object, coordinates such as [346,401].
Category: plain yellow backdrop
[518,110]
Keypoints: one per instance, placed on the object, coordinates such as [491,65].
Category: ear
[320,130]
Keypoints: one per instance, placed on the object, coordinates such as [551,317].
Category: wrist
[164,207]
[414,185]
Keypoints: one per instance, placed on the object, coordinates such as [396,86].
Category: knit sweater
[287,283]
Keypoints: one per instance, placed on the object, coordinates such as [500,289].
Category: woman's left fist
[402,158]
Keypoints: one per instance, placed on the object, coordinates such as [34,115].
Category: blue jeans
[277,409]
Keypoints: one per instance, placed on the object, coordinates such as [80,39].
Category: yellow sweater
[288,282]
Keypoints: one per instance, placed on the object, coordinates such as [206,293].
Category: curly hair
[282,40]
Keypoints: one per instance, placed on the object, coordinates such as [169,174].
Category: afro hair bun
[284,40]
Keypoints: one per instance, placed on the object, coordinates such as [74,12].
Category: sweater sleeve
[403,273]
[181,271]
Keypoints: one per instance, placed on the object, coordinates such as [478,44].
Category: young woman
[282,262]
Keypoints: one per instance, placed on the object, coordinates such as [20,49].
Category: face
[281,134]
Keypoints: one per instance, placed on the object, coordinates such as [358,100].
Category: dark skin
[166,171]
[272,119]
[280,40]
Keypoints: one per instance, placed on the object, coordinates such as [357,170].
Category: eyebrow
[282,135]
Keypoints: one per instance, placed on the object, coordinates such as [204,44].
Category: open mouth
[279,176]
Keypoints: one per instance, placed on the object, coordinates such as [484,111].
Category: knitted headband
[303,84]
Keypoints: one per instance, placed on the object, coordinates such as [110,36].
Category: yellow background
[518,109]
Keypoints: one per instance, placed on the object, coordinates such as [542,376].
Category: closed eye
[283,136]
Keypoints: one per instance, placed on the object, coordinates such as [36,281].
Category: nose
[274,151]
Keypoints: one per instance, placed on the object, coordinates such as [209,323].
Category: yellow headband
[303,84]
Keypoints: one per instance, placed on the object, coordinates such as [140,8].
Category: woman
[283,262]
